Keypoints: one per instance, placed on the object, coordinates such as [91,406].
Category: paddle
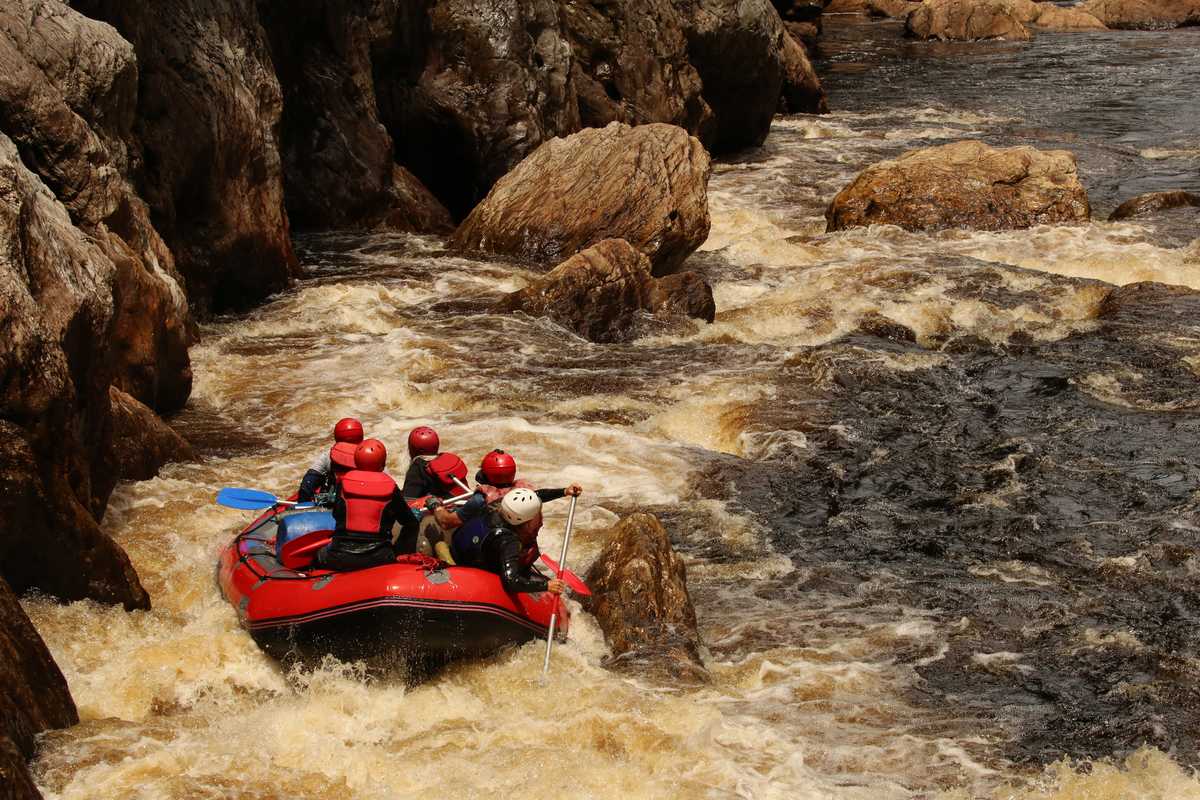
[570,578]
[562,560]
[253,499]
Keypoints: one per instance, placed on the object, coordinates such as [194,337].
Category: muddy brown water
[960,561]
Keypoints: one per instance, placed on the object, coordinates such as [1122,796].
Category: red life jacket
[367,494]
[444,469]
[341,459]
[493,494]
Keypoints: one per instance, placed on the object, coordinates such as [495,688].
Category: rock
[848,7]
[799,10]
[875,324]
[600,292]
[893,9]
[801,92]
[56,366]
[38,82]
[207,122]
[1138,304]
[468,95]
[806,33]
[630,64]
[647,185]
[1154,201]
[338,158]
[964,185]
[640,598]
[1143,14]
[970,20]
[1066,19]
[33,696]
[737,47]
[141,442]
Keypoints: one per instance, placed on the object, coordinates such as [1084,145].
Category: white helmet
[520,505]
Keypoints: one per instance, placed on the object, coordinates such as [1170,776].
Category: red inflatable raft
[418,611]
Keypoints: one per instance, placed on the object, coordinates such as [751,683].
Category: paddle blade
[569,578]
[246,499]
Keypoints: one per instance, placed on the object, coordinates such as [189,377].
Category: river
[938,505]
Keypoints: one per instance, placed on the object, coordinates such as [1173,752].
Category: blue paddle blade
[247,499]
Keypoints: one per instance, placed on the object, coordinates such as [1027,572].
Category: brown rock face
[969,20]
[33,696]
[141,442]
[1066,19]
[646,185]
[1144,14]
[894,9]
[207,123]
[600,292]
[1154,201]
[338,158]
[801,92]
[640,598]
[964,185]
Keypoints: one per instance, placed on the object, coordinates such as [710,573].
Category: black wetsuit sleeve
[339,512]
[502,552]
[416,480]
[309,485]
[546,495]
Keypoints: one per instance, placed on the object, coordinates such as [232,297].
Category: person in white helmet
[504,541]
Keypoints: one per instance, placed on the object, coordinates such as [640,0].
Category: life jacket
[341,459]
[444,469]
[366,495]
[467,542]
[495,494]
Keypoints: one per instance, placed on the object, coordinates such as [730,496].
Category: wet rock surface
[1067,19]
[640,598]
[966,184]
[1144,14]
[141,441]
[968,20]
[602,292]
[1152,202]
[801,92]
[646,185]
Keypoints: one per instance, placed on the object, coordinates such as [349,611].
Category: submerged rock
[33,697]
[971,19]
[964,185]
[640,598]
[1144,14]
[1154,201]
[646,185]
[600,293]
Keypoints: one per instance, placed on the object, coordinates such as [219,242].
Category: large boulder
[338,158]
[630,64]
[801,92]
[892,9]
[141,442]
[1144,14]
[640,598]
[467,94]
[601,292]
[207,127]
[33,696]
[1152,202]
[646,185]
[1066,19]
[969,20]
[737,47]
[964,185]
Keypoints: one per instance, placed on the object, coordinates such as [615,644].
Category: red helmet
[499,468]
[423,441]
[348,430]
[371,455]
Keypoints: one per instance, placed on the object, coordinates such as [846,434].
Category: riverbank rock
[801,92]
[893,9]
[964,185]
[640,598]
[207,124]
[1066,19]
[1154,201]
[646,185]
[33,697]
[338,158]
[968,20]
[848,7]
[141,442]
[1144,14]
[601,292]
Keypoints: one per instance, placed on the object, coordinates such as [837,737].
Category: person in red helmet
[497,476]
[328,467]
[367,505]
[423,447]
